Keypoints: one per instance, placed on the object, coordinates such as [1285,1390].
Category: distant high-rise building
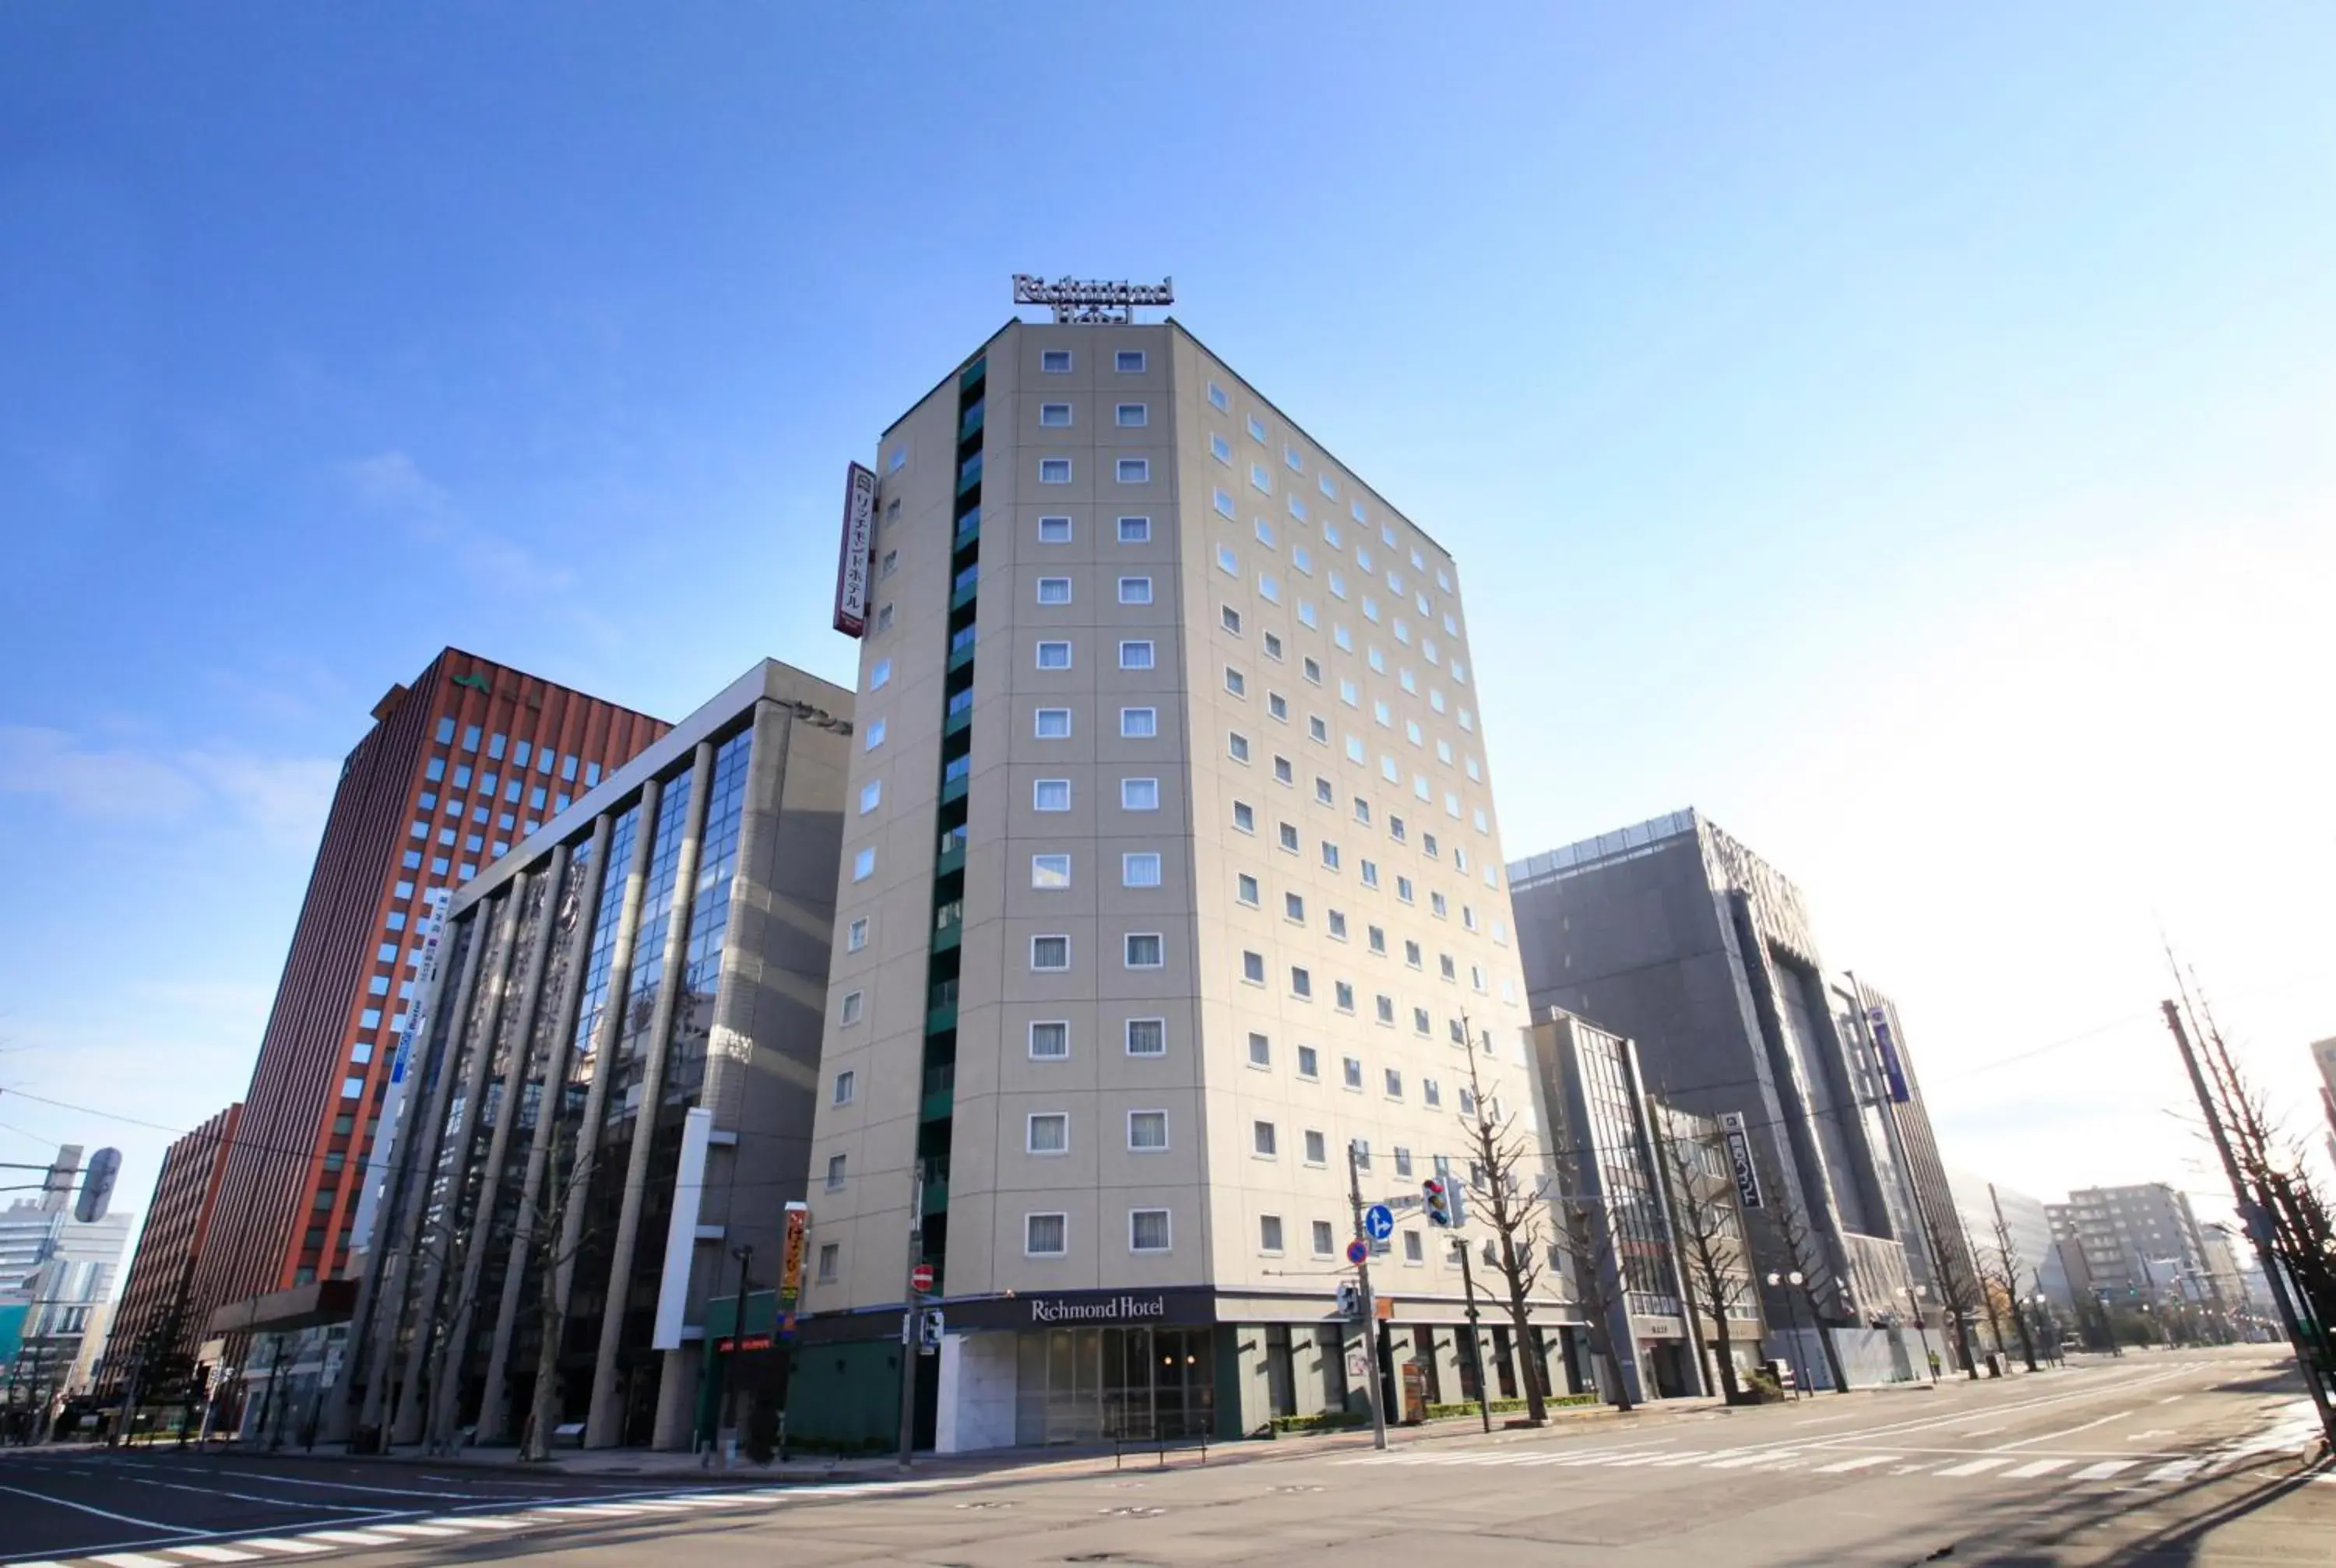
[56,1273]
[2140,1244]
[2031,1227]
[1173,870]
[460,765]
[1673,933]
[155,1326]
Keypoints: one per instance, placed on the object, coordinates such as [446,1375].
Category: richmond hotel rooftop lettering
[1111,1309]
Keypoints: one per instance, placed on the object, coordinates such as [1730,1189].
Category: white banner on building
[851,558]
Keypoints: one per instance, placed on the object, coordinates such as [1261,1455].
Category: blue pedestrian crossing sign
[1378,1221]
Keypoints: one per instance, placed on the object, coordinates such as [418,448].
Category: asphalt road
[2184,1458]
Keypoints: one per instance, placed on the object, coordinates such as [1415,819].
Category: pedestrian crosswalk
[1830,1460]
[452,1528]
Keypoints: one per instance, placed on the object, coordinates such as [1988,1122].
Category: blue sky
[1904,433]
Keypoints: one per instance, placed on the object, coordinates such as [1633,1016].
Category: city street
[2158,1458]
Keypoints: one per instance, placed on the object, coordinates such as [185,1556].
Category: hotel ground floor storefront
[1090,1368]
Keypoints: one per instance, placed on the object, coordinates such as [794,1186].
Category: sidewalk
[671,1467]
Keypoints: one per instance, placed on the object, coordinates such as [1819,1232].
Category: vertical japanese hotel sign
[791,1265]
[1739,1158]
[851,560]
[1894,1067]
[393,1100]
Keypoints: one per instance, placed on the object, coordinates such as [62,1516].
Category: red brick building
[465,762]
[153,1320]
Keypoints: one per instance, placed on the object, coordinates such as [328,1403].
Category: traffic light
[929,1330]
[1350,1300]
[1445,1201]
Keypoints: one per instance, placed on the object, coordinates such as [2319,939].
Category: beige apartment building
[1171,865]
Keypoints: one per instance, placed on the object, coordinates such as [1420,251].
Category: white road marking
[279,1543]
[104,1513]
[439,1530]
[2035,1467]
[2063,1432]
[1860,1462]
[349,1537]
[214,1554]
[1972,1468]
[1671,1459]
[1739,1463]
[2104,1470]
[2179,1470]
[131,1559]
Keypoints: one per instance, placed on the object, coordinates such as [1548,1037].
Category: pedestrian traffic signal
[1350,1300]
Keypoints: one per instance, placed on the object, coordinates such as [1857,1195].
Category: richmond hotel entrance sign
[1087,1309]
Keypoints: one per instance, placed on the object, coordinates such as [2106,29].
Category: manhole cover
[985,1504]
[1133,1512]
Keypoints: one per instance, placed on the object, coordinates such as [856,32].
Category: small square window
[846,1084]
[1350,1072]
[1338,919]
[1231,619]
[1050,1041]
[1244,817]
[1054,656]
[1054,591]
[1309,1062]
[1260,1051]
[1050,794]
[1054,415]
[1394,1085]
[863,864]
[1318,1152]
[1324,1241]
[1139,722]
[1301,983]
[1253,968]
[1050,873]
[1054,361]
[1143,950]
[1053,724]
[1135,655]
[1132,415]
[1054,471]
[1139,794]
[1147,1231]
[1237,746]
[835,1173]
[1139,870]
[1053,530]
[1217,399]
[1134,531]
[1046,1235]
[1147,1131]
[1135,590]
[1050,953]
[1287,835]
[1135,470]
[1236,682]
[1264,1141]
[1245,889]
[1147,1037]
[1268,1234]
[1049,1133]
[871,795]
[1344,995]
[1128,362]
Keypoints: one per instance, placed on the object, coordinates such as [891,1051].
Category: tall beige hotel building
[1170,866]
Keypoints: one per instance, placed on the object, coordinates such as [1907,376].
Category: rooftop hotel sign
[1092,301]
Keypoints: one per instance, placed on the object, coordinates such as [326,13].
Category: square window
[1324,1239]
[1147,1131]
[1050,794]
[1345,996]
[1411,1248]
[863,864]
[1139,722]
[1050,953]
[1139,871]
[835,1173]
[1139,794]
[1224,505]
[1317,730]
[1245,889]
[1147,1231]
[1264,1141]
[1256,428]
[1288,836]
[1236,682]
[1054,656]
[1217,397]
[1329,855]
[1044,1235]
[1301,983]
[1260,1051]
[879,674]
[1244,818]
[1402,1161]
[1128,362]
[1054,471]
[1253,968]
[1053,724]
[845,1083]
[1338,919]
[1054,591]
[1054,361]
[1231,619]
[871,795]
[1277,705]
[1050,873]
[1053,530]
[1135,655]
[1394,1085]
[1143,950]
[1054,415]
[1385,1006]
[1147,1037]
[1309,1062]
[830,1258]
[1268,1232]
[1350,1071]
[1237,746]
[1134,531]
[1293,908]
[1318,1151]
[1050,1041]
[1135,590]
[1135,470]
[1049,1133]
[1132,415]
[1220,449]
[855,1005]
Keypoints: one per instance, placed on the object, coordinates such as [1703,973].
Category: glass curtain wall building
[612,1084]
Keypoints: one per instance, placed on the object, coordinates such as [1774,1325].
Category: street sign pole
[1370,1303]
[915,1300]
[1475,1347]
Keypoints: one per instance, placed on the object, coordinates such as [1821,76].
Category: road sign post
[1363,1222]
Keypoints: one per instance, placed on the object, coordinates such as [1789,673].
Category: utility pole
[914,1300]
[1924,1333]
[2258,1225]
[1370,1301]
[1475,1347]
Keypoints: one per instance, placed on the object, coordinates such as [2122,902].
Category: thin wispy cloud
[283,798]
[393,484]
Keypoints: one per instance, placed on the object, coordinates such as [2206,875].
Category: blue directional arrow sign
[1378,1221]
[1356,1251]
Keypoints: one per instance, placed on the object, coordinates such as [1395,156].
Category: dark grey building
[610,1081]
[1674,934]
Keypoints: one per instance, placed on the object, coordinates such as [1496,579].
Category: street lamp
[1792,1315]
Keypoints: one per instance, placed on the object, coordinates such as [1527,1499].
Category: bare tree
[1959,1293]
[1709,1244]
[1798,1242]
[2007,1266]
[1508,1193]
[554,1247]
[1586,1239]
